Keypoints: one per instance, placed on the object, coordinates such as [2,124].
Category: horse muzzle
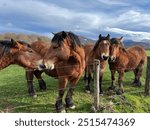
[112,59]
[42,66]
[49,65]
[105,57]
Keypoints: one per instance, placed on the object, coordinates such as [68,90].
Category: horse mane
[58,39]
[6,45]
[98,42]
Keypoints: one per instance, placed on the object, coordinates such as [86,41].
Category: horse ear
[121,39]
[53,33]
[13,42]
[100,36]
[16,44]
[108,37]
[64,34]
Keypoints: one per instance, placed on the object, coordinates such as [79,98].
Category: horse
[123,60]
[20,53]
[65,61]
[98,51]
[41,48]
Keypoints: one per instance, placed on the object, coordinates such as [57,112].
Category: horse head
[116,45]
[60,50]
[101,47]
[25,56]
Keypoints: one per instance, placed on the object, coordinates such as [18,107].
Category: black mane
[98,42]
[58,39]
[6,45]
[116,41]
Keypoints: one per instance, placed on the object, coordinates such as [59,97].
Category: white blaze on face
[105,54]
[105,41]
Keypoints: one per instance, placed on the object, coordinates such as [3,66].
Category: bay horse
[98,51]
[41,48]
[65,60]
[123,60]
[20,53]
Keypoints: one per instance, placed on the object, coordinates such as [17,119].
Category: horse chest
[4,62]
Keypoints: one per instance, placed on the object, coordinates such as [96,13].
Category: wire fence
[43,76]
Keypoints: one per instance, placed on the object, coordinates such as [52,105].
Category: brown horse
[66,60]
[18,52]
[123,60]
[41,48]
[99,51]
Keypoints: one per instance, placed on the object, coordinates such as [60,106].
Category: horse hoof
[119,92]
[35,96]
[63,111]
[72,107]
[87,91]
[101,93]
[138,84]
[111,88]
[42,90]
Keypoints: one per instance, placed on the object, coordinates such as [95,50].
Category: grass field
[14,96]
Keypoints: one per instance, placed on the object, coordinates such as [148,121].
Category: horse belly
[52,73]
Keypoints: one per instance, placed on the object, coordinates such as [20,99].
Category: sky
[89,18]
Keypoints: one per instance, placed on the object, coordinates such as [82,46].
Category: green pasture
[14,96]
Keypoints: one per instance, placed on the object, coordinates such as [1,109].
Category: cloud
[85,18]
[133,16]
[47,15]
[114,2]
[135,35]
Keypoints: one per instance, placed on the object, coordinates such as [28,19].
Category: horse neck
[122,54]
[6,61]
[79,54]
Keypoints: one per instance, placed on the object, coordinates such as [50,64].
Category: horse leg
[135,74]
[112,86]
[29,77]
[100,84]
[42,83]
[68,99]
[62,86]
[87,86]
[120,82]
[138,75]
[85,74]
[87,77]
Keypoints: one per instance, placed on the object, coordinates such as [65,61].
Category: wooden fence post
[96,84]
[147,81]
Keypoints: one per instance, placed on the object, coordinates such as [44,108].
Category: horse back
[88,48]
[40,47]
[137,51]
[135,56]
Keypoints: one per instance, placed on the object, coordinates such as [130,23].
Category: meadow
[14,97]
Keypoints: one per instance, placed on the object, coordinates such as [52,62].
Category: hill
[33,37]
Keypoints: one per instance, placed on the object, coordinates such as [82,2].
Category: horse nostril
[42,66]
[105,57]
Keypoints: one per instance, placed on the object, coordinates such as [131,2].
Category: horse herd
[66,59]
